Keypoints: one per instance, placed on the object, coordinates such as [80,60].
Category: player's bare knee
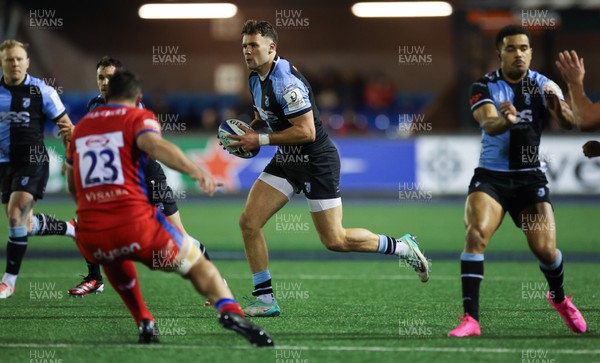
[476,239]
[248,224]
[546,254]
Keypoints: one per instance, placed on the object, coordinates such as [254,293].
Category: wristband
[263,139]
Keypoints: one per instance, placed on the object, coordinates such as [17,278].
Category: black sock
[555,278]
[263,288]
[15,251]
[93,272]
[471,275]
[49,225]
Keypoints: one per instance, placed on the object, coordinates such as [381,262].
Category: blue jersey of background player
[306,161]
[512,105]
[516,149]
[25,105]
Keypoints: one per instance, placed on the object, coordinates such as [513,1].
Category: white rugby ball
[232,127]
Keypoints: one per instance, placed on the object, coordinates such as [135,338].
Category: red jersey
[108,167]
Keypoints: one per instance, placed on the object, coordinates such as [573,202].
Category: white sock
[70,230]
[266,298]
[401,248]
[9,279]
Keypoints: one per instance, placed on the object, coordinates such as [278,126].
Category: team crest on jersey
[541,192]
[24,180]
[26,102]
[307,187]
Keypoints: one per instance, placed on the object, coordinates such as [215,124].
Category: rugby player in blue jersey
[306,161]
[26,103]
[512,105]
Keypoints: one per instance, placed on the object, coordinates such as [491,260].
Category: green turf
[439,228]
[332,312]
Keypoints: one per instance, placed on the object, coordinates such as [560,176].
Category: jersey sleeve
[479,94]
[292,94]
[145,122]
[52,106]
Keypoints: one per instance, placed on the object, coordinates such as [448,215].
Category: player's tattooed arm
[492,122]
[559,109]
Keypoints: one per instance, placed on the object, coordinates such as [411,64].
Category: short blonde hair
[11,43]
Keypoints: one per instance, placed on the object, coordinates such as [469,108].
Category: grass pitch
[333,311]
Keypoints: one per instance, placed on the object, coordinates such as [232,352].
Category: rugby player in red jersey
[117,225]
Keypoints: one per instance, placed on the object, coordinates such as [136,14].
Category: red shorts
[153,242]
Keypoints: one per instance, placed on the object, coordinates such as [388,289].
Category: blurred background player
[511,105]
[25,104]
[159,192]
[116,223]
[586,113]
[306,160]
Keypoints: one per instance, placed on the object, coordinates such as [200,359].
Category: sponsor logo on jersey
[20,118]
[97,141]
[26,102]
[525,116]
[266,101]
[111,255]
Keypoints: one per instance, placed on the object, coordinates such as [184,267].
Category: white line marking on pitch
[305,348]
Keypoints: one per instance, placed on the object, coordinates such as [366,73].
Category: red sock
[123,278]
[232,307]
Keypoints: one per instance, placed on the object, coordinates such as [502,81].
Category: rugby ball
[232,127]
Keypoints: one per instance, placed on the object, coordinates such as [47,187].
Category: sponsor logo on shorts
[111,255]
[307,187]
[541,192]
[24,180]
[26,102]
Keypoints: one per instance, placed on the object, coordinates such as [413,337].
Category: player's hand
[65,130]
[248,141]
[509,112]
[207,182]
[571,67]
[591,149]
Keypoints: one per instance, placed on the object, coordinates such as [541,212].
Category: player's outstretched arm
[586,113]
[172,156]
[493,123]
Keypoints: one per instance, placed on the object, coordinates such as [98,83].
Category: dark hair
[261,27]
[123,85]
[508,31]
[107,61]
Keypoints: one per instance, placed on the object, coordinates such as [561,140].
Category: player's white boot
[415,258]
